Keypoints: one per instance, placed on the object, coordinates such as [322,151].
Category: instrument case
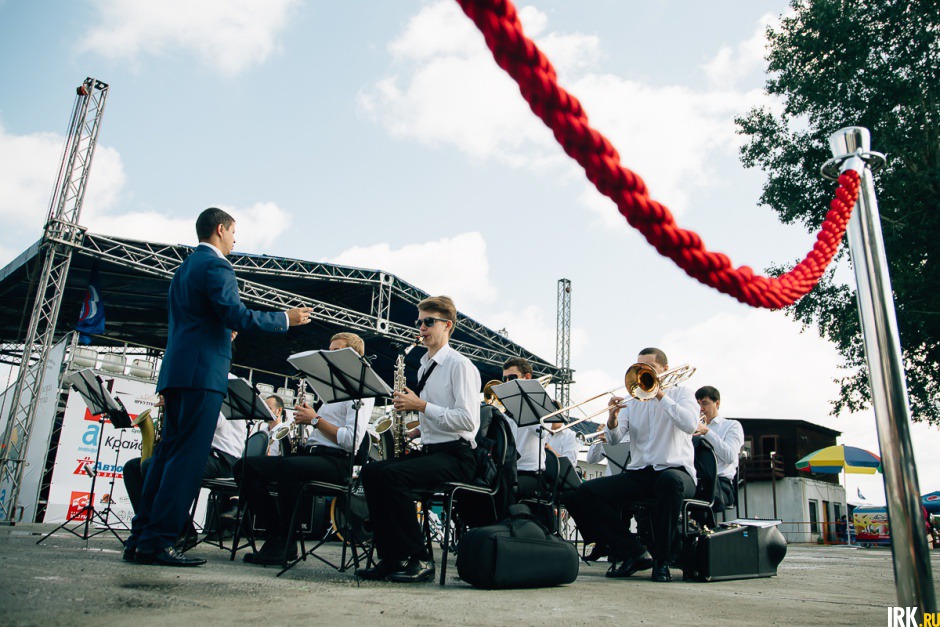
[515,553]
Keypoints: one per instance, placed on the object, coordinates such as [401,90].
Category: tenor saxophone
[398,418]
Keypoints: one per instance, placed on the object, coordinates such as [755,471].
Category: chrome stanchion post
[912,573]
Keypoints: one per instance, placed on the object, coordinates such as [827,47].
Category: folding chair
[446,494]
[344,495]
[547,505]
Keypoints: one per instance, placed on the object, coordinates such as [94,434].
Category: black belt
[327,451]
[440,447]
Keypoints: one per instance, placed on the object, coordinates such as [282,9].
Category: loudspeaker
[733,551]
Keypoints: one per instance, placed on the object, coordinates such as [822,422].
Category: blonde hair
[352,340]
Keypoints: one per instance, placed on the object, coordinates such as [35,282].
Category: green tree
[871,63]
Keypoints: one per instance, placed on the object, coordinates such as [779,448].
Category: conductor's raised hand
[298,316]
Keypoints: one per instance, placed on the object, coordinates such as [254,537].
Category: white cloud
[257,227]
[448,90]
[731,65]
[456,266]
[28,168]
[229,35]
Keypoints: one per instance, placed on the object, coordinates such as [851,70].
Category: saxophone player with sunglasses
[447,402]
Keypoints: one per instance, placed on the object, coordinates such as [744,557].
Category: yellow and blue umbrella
[841,458]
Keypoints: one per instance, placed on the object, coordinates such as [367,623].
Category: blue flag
[91,317]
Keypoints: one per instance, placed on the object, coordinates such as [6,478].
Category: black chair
[446,494]
[704,501]
[349,509]
[221,490]
[546,505]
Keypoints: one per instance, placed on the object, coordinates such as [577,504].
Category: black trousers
[218,466]
[390,485]
[596,509]
[172,483]
[285,475]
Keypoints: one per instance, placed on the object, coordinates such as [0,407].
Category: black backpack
[496,459]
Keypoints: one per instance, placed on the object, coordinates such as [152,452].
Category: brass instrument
[641,381]
[398,422]
[589,438]
[489,397]
[150,429]
[384,423]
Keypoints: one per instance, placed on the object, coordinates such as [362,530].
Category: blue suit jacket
[204,309]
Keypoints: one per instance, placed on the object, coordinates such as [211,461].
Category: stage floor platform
[63,582]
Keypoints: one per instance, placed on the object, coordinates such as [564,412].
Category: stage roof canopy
[135,276]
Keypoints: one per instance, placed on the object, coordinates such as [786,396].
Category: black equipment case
[734,551]
[515,553]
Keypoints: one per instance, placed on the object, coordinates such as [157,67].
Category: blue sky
[381,134]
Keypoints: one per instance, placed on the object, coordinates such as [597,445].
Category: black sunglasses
[428,322]
[510,377]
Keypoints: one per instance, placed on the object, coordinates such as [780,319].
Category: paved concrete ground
[62,582]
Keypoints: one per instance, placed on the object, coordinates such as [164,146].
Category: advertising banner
[78,445]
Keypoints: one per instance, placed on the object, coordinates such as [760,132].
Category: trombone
[489,396]
[641,382]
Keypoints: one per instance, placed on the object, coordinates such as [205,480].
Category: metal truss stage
[135,278]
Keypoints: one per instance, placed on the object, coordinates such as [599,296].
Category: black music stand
[105,407]
[337,376]
[241,402]
[613,453]
[527,402]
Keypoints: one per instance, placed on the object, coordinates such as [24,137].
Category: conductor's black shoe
[381,570]
[631,565]
[186,541]
[661,571]
[129,553]
[414,571]
[167,557]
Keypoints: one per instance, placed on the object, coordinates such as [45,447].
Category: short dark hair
[657,354]
[277,401]
[707,391]
[209,219]
[518,362]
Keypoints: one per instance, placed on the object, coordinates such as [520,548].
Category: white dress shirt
[531,459]
[343,416]
[727,438]
[229,436]
[452,393]
[565,444]
[660,431]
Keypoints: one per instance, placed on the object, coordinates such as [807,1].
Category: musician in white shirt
[662,467]
[448,406]
[726,437]
[327,459]
[529,446]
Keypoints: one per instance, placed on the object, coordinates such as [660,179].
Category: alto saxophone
[398,418]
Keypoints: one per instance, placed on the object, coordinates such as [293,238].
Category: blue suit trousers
[173,480]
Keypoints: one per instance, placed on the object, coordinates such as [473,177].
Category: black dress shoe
[414,571]
[631,565]
[272,554]
[381,570]
[129,553]
[167,557]
[186,542]
[661,571]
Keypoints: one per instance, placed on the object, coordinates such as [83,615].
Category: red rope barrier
[560,111]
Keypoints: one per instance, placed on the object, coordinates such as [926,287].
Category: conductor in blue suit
[204,309]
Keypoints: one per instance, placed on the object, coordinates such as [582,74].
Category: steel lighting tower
[563,346]
[62,235]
